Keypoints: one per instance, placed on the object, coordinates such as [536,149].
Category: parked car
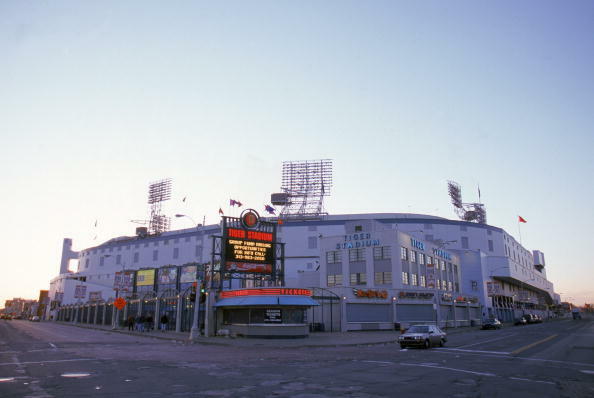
[35,318]
[520,321]
[491,323]
[422,336]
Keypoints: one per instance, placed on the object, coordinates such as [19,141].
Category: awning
[297,301]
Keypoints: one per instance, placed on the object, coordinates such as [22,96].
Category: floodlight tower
[473,212]
[305,184]
[159,192]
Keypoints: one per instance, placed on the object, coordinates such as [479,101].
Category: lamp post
[184,215]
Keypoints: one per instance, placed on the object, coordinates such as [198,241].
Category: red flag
[520,219]
[221,211]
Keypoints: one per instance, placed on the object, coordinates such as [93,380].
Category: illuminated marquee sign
[266,292]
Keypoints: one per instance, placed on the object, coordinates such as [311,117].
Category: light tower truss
[305,184]
[159,192]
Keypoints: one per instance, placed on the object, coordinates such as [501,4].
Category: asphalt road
[45,359]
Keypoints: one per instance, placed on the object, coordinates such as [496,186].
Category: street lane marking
[450,351]
[446,368]
[75,375]
[588,372]
[474,351]
[382,362]
[53,346]
[42,362]
[532,381]
[487,341]
[527,347]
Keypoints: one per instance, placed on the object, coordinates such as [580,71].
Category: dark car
[491,323]
[422,336]
[520,321]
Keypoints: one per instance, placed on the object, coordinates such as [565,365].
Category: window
[146,244]
[489,232]
[383,278]
[118,259]
[490,242]
[176,252]
[155,255]
[405,278]
[198,252]
[430,260]
[87,263]
[335,280]
[155,243]
[101,261]
[358,278]
[438,283]
[450,286]
[119,248]
[403,253]
[312,228]
[462,227]
[413,279]
[356,255]
[421,258]
[422,281]
[333,257]
[309,265]
[465,242]
[443,265]
[474,285]
[358,228]
[428,237]
[382,252]
[136,256]
[312,242]
[427,226]
[176,240]
[187,238]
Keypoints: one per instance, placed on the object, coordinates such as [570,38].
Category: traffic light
[202,293]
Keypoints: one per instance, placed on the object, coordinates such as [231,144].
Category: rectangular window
[438,283]
[443,265]
[176,252]
[462,227]
[312,228]
[382,252]
[333,257]
[312,242]
[187,239]
[405,278]
[335,280]
[430,260]
[428,237]
[136,257]
[87,263]
[490,242]
[358,278]
[101,261]
[383,278]
[450,286]
[474,285]
[356,255]
[118,259]
[198,252]
[413,279]
[465,242]
[421,258]
[413,256]
[155,255]
[155,243]
[422,281]
[403,253]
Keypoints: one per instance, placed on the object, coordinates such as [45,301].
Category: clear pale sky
[97,99]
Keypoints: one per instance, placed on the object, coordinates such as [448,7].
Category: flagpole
[519,231]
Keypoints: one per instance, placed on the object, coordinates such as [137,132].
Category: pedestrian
[148,322]
[131,322]
[164,321]
[140,323]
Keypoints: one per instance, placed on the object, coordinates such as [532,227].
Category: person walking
[164,321]
[131,322]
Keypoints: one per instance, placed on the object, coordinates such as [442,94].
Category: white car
[422,336]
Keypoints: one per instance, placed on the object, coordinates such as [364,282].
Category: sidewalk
[318,339]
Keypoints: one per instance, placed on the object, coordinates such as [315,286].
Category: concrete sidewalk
[318,339]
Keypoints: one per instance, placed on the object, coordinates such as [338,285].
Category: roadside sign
[119,303]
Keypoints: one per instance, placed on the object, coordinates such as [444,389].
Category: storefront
[264,312]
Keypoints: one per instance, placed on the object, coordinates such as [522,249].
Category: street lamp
[195,331]
[184,215]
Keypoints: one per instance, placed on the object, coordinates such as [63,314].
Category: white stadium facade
[365,272]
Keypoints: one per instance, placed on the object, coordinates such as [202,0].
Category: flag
[184,199]
[233,202]
[221,211]
[520,219]
[269,209]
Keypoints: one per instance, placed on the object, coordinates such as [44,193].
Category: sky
[98,99]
